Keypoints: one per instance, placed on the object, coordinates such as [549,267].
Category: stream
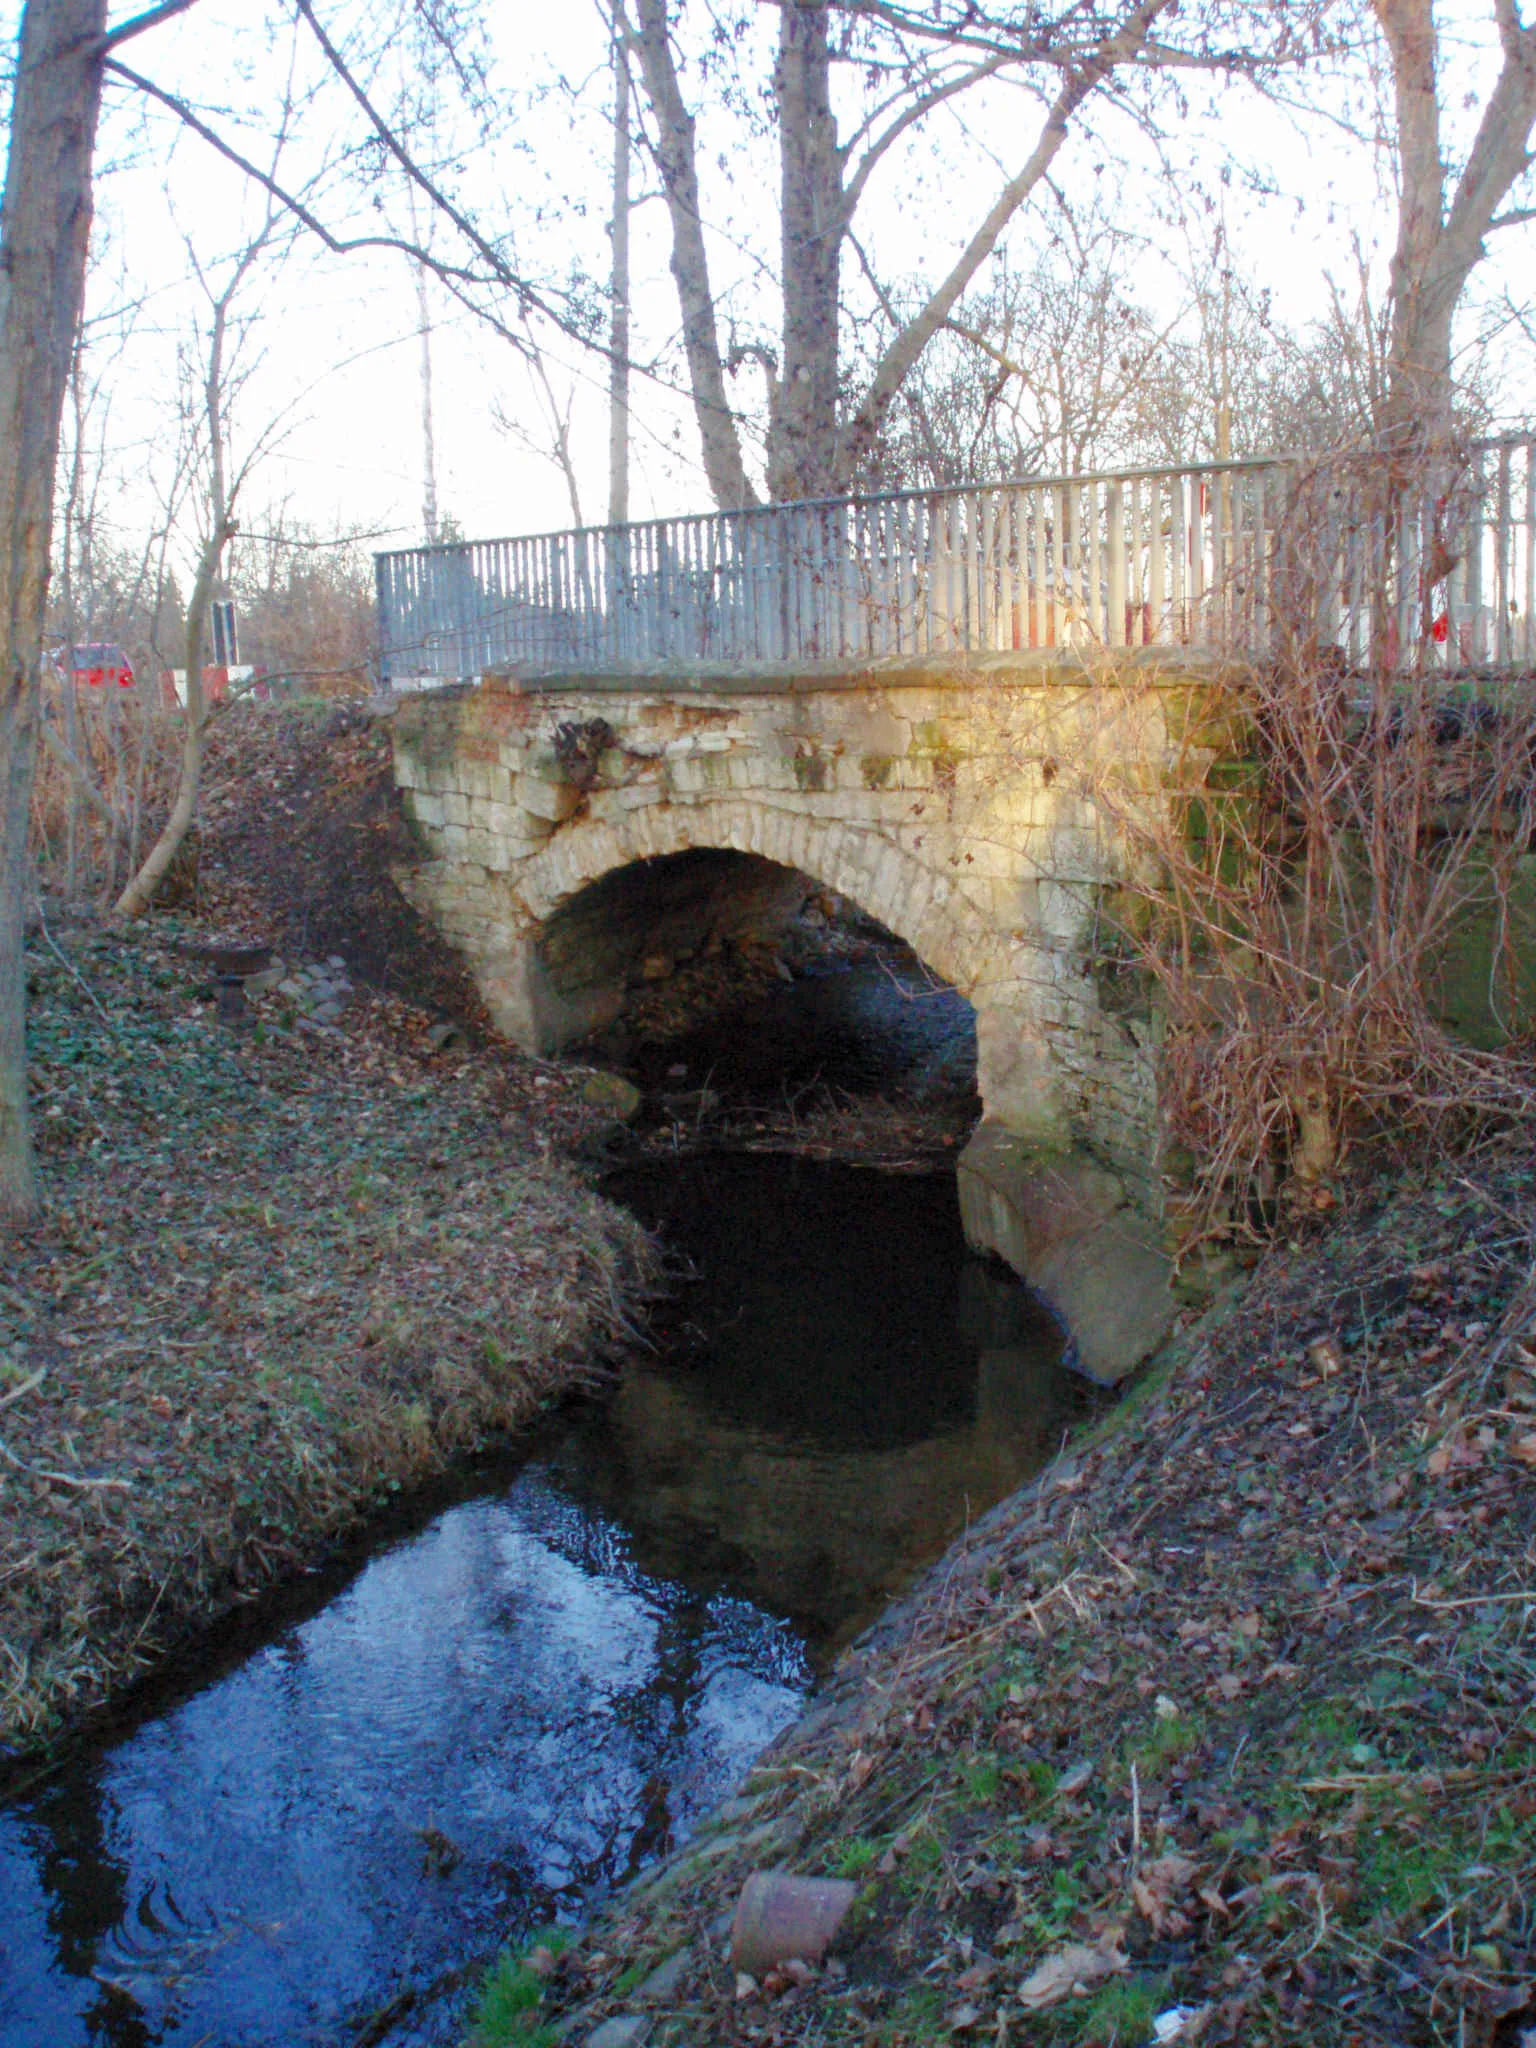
[525,1695]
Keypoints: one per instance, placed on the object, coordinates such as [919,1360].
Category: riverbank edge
[222,1360]
[757,1827]
[1049,1748]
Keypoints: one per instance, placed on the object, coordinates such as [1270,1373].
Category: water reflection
[506,1714]
[257,1866]
[834,1403]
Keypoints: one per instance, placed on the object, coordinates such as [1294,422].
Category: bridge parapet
[1248,557]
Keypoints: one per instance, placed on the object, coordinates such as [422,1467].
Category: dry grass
[1326,838]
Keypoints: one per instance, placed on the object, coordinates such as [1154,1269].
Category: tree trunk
[676,160]
[429,526]
[45,220]
[1438,247]
[140,892]
[618,335]
[802,431]
[1418,395]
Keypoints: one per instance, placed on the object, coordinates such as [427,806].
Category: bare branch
[908,345]
[137,24]
[346,245]
[923,104]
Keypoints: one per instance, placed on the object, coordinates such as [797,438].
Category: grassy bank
[1226,1730]
[284,1273]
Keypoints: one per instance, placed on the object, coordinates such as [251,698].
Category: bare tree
[818,431]
[219,376]
[618,331]
[1445,215]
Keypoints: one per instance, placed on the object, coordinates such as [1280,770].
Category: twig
[60,1478]
[25,1388]
[1118,1563]
[1472,1599]
[70,969]
[1135,1819]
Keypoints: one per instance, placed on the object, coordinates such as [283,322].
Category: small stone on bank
[665,1978]
[611,1092]
[624,2031]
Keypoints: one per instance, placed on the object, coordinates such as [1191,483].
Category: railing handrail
[1239,554]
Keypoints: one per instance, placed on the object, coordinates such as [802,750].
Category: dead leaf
[1326,1356]
[1072,1971]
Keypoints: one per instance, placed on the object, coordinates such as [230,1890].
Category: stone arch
[926,909]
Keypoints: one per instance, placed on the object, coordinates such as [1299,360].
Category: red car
[101,665]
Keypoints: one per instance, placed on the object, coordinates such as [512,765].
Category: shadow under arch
[603,896]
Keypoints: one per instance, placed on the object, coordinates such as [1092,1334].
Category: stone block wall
[959,803]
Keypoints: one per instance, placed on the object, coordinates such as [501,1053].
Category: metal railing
[1240,557]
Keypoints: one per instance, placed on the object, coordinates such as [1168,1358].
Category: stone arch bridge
[944,704]
[969,804]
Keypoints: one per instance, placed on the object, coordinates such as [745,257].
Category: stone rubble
[319,991]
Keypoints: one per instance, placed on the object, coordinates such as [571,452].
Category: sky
[328,414]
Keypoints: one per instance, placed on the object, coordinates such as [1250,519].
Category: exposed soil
[285,1271]
[301,830]
[1226,1730]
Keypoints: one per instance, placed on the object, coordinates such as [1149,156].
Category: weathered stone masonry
[957,803]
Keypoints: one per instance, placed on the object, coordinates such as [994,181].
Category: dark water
[561,1674]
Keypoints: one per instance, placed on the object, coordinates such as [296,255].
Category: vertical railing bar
[750,530]
[1135,568]
[795,613]
[905,617]
[975,596]
[1003,508]
[945,525]
[1038,622]
[1504,564]
[1197,578]
[1262,564]
[1409,524]
[933,596]
[876,577]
